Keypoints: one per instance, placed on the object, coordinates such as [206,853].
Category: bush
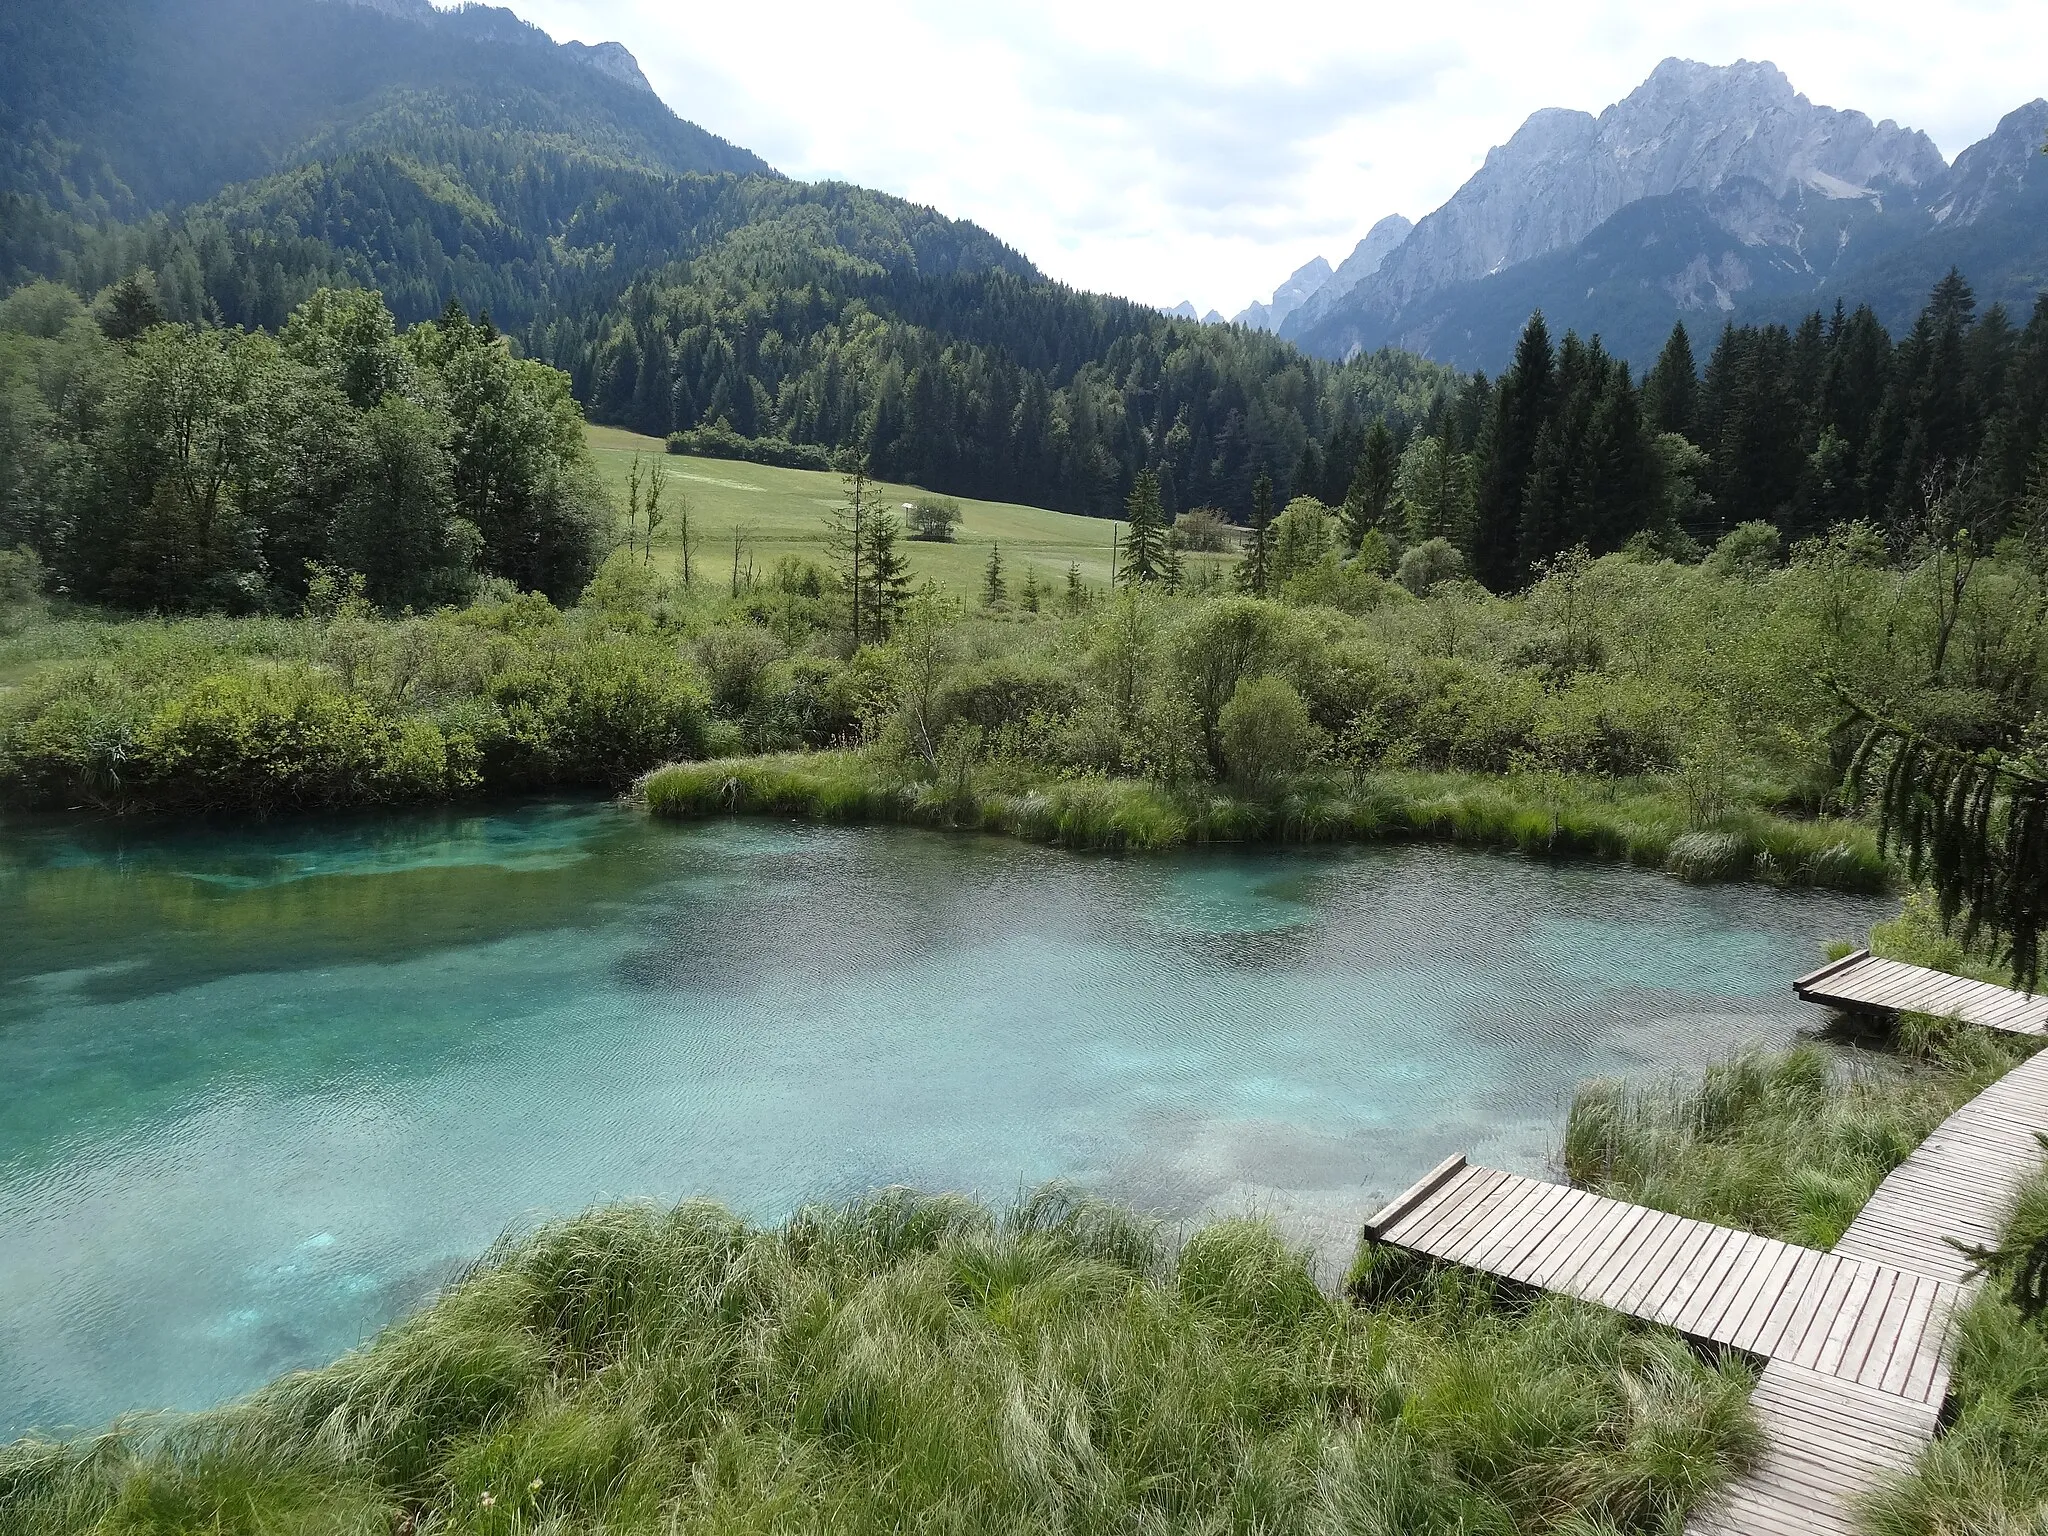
[736,659]
[1267,733]
[595,716]
[1204,531]
[1429,565]
[719,441]
[932,519]
[291,739]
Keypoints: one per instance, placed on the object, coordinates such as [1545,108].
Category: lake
[263,1089]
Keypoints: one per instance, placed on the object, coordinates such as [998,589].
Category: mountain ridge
[1748,199]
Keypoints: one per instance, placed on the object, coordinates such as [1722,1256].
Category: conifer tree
[1371,495]
[886,573]
[1172,568]
[1252,570]
[1145,545]
[846,538]
[993,588]
[1672,388]
[1521,407]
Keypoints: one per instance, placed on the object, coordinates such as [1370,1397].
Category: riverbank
[1634,821]
[914,1362]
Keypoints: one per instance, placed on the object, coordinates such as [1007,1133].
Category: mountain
[121,107]
[1302,286]
[1709,192]
[222,160]
[1366,258]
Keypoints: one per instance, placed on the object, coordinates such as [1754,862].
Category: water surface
[262,1090]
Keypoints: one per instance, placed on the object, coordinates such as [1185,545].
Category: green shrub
[1266,732]
[291,738]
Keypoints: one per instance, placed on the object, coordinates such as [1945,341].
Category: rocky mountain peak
[1688,127]
[1997,167]
[1302,285]
[488,23]
[613,59]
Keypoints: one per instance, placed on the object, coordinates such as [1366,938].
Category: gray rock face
[612,59]
[499,25]
[1366,258]
[1688,127]
[1996,168]
[1306,281]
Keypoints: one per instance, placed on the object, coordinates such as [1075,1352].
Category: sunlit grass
[919,1364]
[781,512]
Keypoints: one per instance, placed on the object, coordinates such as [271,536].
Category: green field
[783,511]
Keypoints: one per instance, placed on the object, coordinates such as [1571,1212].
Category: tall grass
[1545,816]
[1790,1144]
[917,1364]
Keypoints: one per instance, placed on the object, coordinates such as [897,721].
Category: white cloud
[1198,150]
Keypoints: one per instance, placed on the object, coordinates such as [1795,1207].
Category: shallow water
[261,1090]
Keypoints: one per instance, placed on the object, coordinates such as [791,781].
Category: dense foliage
[162,467]
[915,1364]
[1801,431]
[343,709]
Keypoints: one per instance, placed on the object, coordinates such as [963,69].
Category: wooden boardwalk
[1854,1340]
[1864,983]
[1862,1321]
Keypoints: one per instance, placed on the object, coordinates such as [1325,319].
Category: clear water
[261,1090]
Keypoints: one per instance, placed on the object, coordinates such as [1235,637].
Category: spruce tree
[886,573]
[993,588]
[1367,502]
[1258,546]
[1145,546]
[1521,407]
[1671,390]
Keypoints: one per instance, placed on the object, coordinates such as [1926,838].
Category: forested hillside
[122,107]
[676,280]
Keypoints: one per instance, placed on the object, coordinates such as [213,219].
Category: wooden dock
[1863,983]
[1854,1340]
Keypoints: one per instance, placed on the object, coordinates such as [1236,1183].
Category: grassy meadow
[781,512]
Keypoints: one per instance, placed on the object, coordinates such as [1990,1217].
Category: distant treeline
[1804,430]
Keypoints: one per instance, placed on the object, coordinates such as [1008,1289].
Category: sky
[1191,150]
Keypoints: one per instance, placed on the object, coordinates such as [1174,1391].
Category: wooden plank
[1597,1246]
[1755,1299]
[1890,1291]
[1854,958]
[1677,1282]
[1529,1217]
[1695,1236]
[1460,1187]
[1634,1249]
[1415,1194]
[1451,1236]
[1422,1228]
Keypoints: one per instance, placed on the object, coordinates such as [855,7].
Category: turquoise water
[262,1090]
